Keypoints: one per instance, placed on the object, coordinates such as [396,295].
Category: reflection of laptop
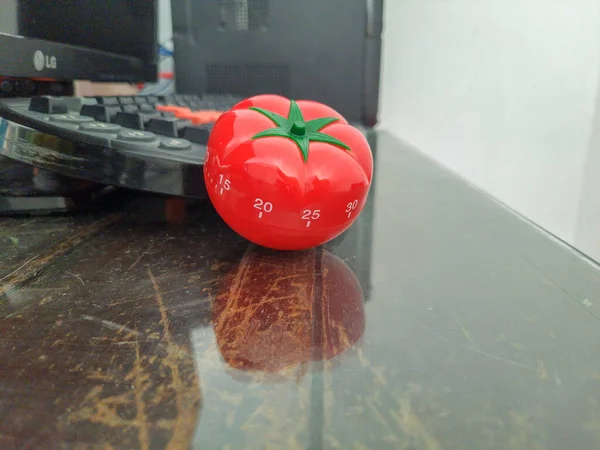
[328,51]
[25,189]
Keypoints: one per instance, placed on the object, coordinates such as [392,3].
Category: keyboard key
[175,144]
[147,108]
[147,117]
[108,101]
[136,136]
[167,114]
[48,105]
[75,104]
[130,120]
[140,100]
[225,106]
[130,108]
[223,103]
[192,98]
[198,134]
[100,127]
[154,102]
[168,127]
[207,104]
[101,113]
[126,100]
[70,118]
[217,104]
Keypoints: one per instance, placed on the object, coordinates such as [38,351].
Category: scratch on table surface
[475,349]
[464,331]
[140,384]
[17,269]
[76,276]
[34,265]
[109,324]
[235,296]
[185,399]
[144,253]
[164,318]
[542,372]
[241,274]
[150,389]
[558,285]
[197,302]
[137,298]
[103,410]
[378,415]
[412,425]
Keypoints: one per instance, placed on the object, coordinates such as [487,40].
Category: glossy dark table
[440,320]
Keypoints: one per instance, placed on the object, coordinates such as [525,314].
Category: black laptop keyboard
[185,119]
[152,143]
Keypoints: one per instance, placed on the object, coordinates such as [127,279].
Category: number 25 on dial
[311,215]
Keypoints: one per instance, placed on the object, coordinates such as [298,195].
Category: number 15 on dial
[223,184]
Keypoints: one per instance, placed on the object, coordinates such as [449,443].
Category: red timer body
[287,175]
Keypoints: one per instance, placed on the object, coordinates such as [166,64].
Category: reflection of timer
[287,175]
[276,324]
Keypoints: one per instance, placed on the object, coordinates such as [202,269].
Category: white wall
[587,236]
[503,92]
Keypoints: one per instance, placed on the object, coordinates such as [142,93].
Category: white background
[506,94]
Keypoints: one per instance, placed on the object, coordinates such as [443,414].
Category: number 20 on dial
[287,175]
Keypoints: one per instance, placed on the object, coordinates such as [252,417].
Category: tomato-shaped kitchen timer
[287,175]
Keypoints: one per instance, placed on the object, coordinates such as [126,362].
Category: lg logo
[41,61]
